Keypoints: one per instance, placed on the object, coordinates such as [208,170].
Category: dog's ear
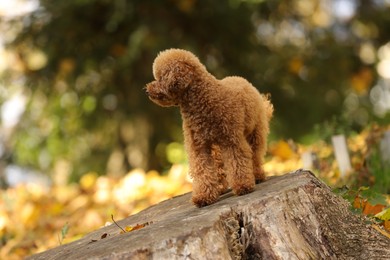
[187,74]
[181,76]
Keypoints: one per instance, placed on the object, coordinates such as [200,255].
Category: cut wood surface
[294,216]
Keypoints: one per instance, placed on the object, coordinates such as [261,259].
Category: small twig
[112,217]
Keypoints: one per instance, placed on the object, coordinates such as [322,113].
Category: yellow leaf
[55,209]
[282,150]
[87,182]
[384,214]
[361,81]
[29,215]
[129,228]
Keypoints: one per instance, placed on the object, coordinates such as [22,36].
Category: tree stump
[294,216]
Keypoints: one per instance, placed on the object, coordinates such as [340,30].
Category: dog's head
[174,71]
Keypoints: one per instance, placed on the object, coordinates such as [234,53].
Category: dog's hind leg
[258,142]
[239,169]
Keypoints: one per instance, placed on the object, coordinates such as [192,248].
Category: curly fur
[225,124]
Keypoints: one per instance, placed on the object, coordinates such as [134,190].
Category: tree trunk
[294,216]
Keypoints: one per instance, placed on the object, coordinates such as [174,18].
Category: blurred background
[72,74]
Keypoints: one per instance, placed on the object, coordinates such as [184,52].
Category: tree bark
[294,216]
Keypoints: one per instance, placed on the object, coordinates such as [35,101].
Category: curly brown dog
[225,124]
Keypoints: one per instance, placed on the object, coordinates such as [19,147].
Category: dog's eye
[160,96]
[175,85]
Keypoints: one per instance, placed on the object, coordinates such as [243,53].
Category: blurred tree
[85,63]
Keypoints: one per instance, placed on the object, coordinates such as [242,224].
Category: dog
[225,124]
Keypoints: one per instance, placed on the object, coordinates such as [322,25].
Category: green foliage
[364,193]
[325,130]
[175,153]
[380,171]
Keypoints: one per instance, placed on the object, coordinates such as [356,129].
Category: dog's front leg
[206,182]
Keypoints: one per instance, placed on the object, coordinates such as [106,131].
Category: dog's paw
[243,190]
[259,175]
[203,201]
[259,180]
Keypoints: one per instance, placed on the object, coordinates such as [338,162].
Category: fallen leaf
[282,149]
[368,208]
[372,209]
[136,227]
[386,224]
[384,214]
[359,203]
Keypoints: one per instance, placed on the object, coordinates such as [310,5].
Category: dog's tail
[268,106]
